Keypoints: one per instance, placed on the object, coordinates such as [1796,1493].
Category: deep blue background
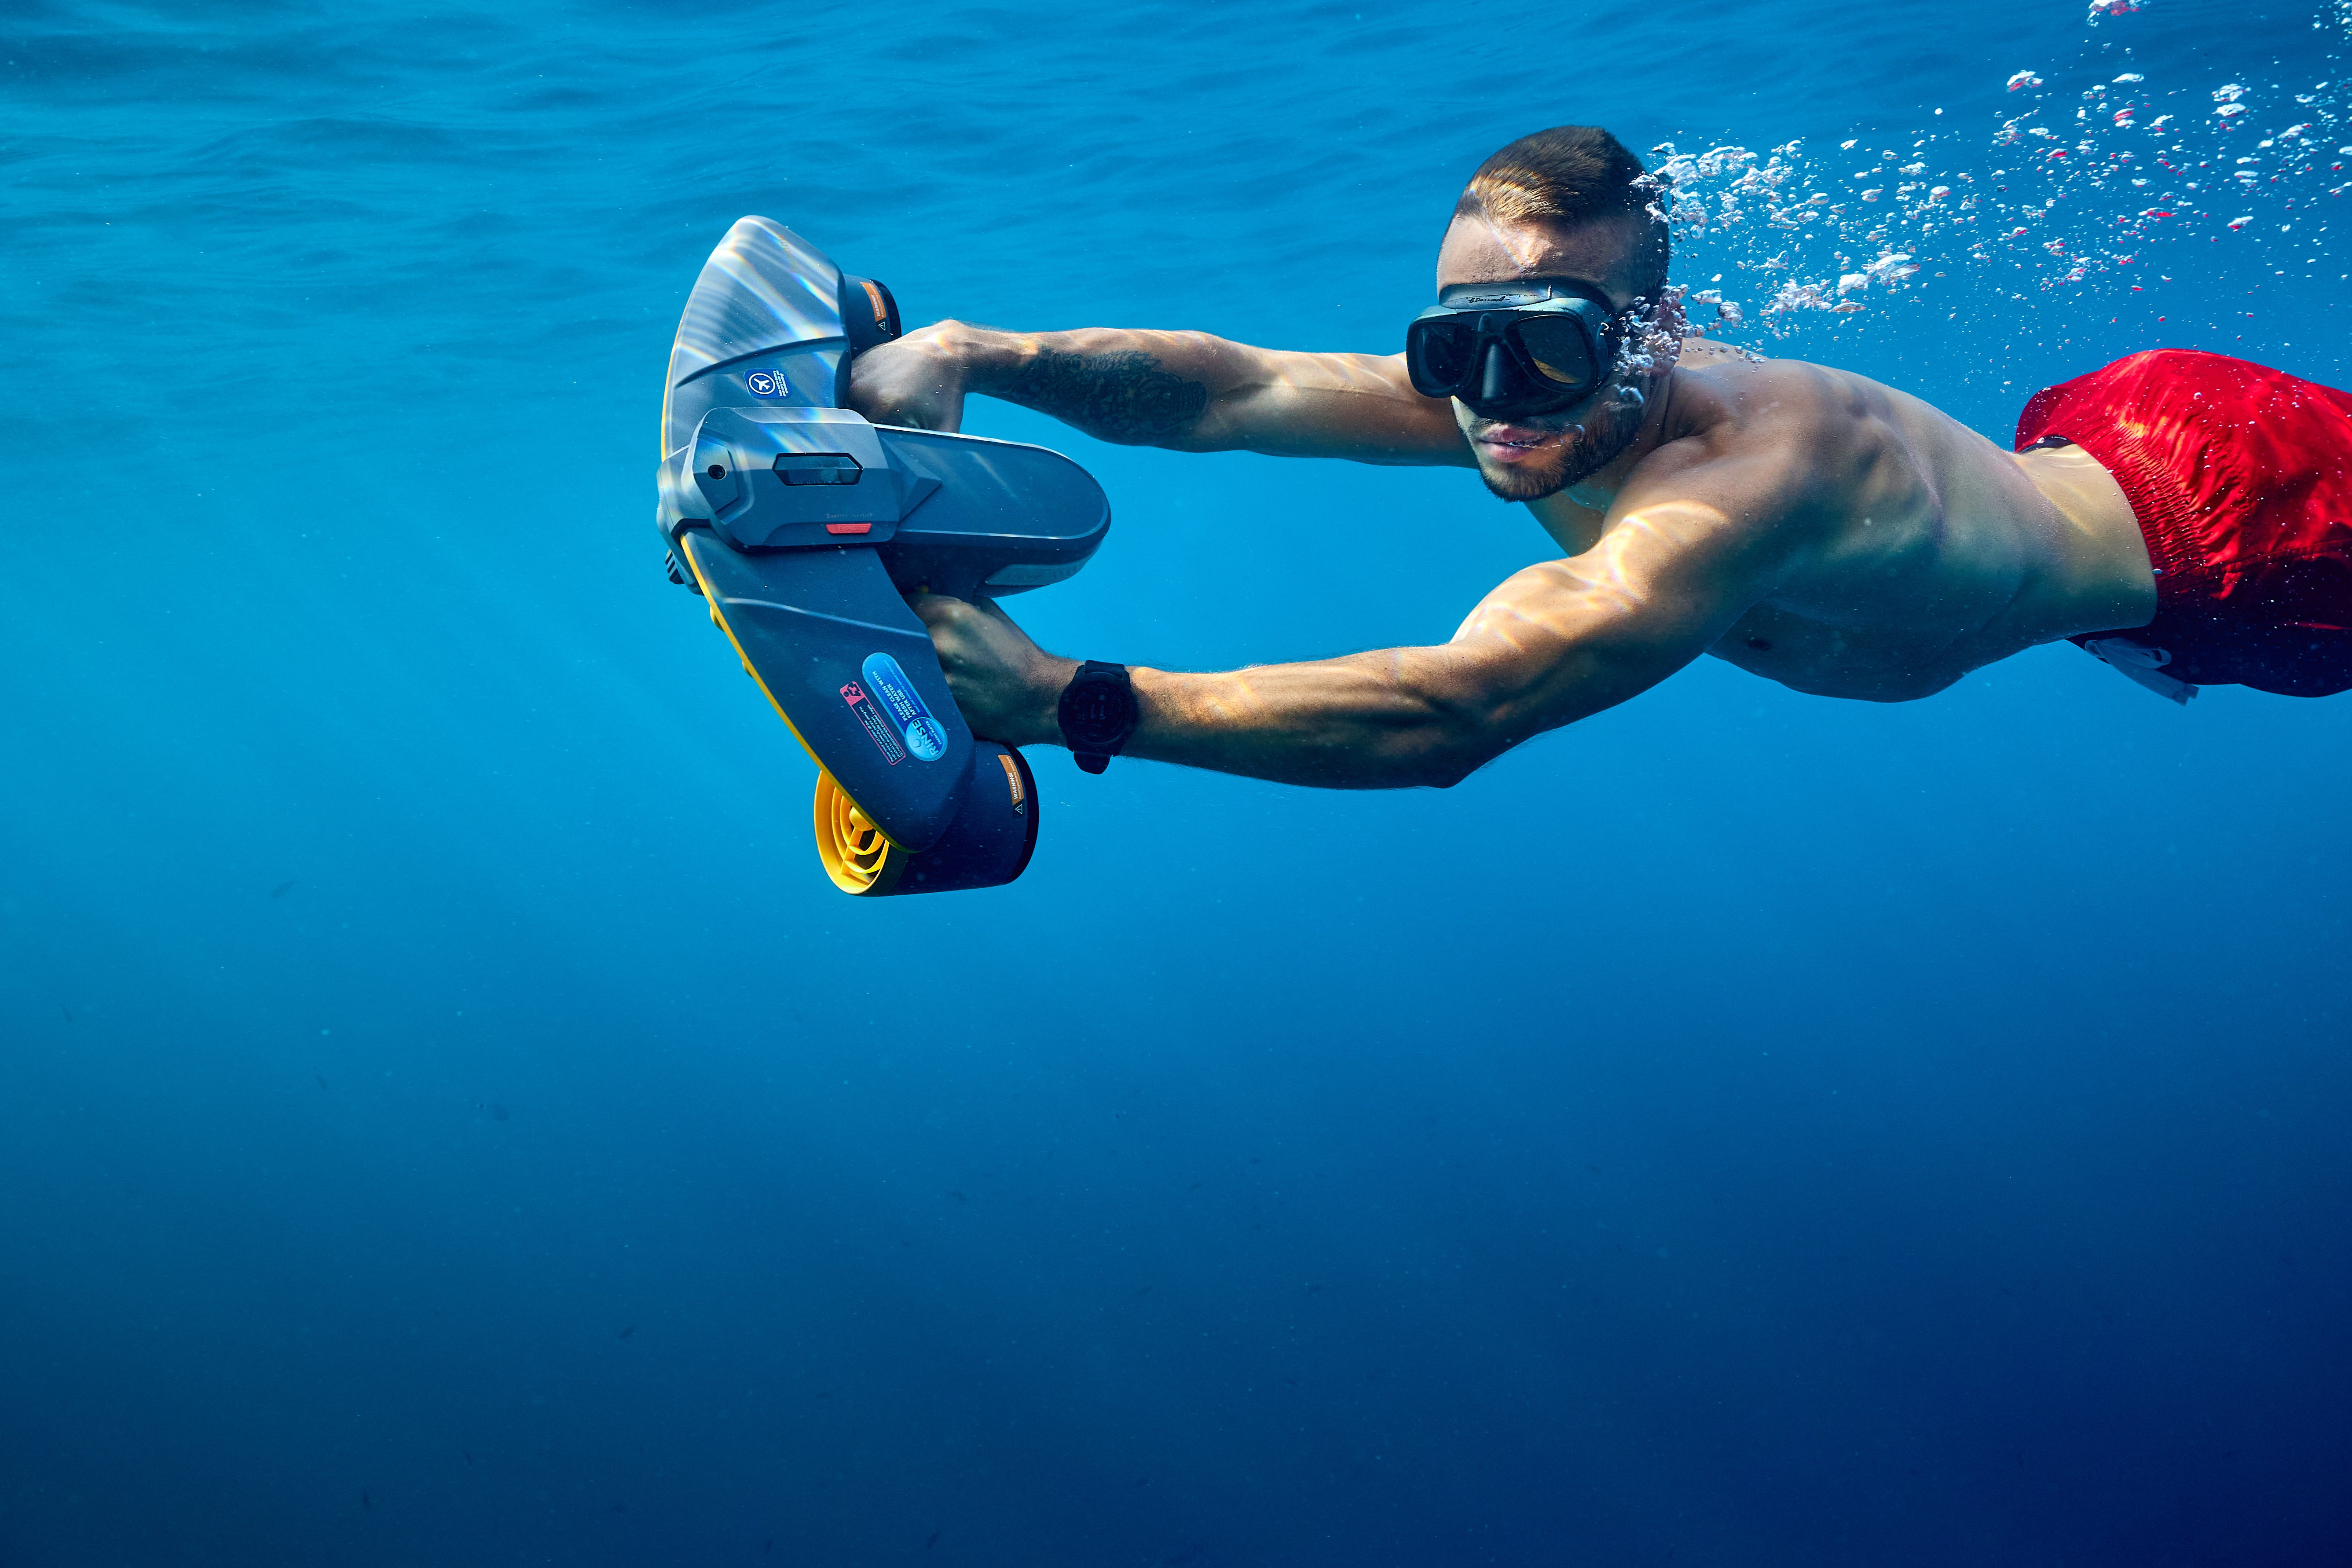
[446,1117]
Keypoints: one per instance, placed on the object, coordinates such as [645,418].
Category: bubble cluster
[1817,242]
[2076,184]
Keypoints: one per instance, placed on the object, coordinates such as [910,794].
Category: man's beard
[1584,449]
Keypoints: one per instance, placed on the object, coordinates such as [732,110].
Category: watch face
[1098,708]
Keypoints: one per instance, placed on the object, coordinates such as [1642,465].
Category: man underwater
[2184,516]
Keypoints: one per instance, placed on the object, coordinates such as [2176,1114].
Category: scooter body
[806,528]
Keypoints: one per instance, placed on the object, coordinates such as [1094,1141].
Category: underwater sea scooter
[805,527]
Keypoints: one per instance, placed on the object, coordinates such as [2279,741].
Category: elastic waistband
[2160,503]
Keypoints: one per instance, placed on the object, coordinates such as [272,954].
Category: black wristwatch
[1099,713]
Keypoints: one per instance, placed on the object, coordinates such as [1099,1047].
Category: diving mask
[1506,351]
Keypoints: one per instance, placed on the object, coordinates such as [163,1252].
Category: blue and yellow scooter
[806,528]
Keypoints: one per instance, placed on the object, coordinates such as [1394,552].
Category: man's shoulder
[1740,373]
[1764,441]
[1730,398]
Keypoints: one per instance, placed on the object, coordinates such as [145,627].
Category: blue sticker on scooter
[927,738]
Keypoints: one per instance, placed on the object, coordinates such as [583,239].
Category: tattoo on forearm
[1122,397]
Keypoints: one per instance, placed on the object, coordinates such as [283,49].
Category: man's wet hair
[1573,174]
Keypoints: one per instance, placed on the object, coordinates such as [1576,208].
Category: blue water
[446,1117]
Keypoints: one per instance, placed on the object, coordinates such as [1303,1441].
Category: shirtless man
[2180,514]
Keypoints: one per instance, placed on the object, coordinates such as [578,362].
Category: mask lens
[1558,348]
[1437,355]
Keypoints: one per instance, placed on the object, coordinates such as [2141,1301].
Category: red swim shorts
[2241,480]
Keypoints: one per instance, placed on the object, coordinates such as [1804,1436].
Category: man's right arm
[1186,391]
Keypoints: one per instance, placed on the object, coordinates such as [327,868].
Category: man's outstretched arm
[1553,643]
[1187,391]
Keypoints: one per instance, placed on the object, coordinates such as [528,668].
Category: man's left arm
[1687,549]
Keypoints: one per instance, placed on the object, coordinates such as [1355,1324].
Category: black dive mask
[1507,351]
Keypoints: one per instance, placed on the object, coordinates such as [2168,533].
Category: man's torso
[1920,550]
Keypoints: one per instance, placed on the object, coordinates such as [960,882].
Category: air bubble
[2061,218]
